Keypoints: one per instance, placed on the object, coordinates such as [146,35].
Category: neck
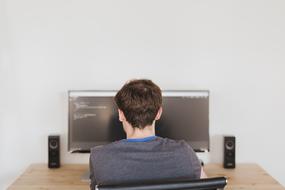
[136,133]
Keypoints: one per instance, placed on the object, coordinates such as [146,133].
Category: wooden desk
[38,176]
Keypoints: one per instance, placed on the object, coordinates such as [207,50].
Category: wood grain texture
[244,176]
[38,176]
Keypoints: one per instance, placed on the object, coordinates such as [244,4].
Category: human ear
[158,115]
[121,115]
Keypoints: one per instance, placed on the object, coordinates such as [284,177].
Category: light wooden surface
[244,176]
[38,176]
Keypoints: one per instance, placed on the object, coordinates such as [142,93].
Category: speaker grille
[229,152]
[53,151]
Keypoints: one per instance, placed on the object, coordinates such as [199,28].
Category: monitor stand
[85,177]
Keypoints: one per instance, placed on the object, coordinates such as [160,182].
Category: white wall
[236,49]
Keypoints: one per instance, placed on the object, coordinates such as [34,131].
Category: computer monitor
[93,119]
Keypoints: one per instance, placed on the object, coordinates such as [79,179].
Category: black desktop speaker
[53,151]
[229,152]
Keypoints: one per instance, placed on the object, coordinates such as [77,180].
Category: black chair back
[200,184]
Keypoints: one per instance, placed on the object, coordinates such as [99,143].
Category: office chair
[217,183]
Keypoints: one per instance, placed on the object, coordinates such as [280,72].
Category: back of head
[140,101]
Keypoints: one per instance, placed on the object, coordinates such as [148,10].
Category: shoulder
[180,146]
[172,142]
[104,148]
[176,145]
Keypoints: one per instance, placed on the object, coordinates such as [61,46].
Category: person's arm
[203,174]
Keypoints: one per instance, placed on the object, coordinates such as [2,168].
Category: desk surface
[38,176]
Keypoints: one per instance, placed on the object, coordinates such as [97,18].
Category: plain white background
[235,49]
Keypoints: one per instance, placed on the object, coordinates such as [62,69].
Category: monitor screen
[93,119]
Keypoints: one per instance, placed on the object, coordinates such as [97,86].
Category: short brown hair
[140,101]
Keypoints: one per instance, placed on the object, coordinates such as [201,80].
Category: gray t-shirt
[148,159]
